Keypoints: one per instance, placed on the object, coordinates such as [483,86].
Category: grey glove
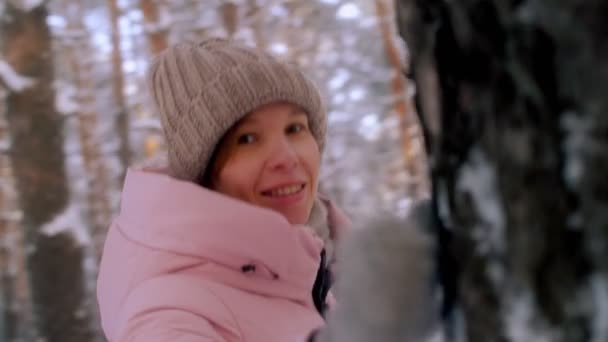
[385,283]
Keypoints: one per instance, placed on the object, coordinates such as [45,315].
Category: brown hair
[217,160]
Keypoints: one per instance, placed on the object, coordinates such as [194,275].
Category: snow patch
[339,79]
[329,2]
[437,336]
[348,11]
[477,177]
[575,145]
[5,145]
[147,124]
[28,5]
[357,93]
[65,98]
[599,291]
[370,127]
[70,221]
[279,48]
[165,20]
[56,21]
[443,203]
[12,79]
[278,11]
[521,321]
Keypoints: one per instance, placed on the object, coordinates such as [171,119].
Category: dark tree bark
[35,128]
[512,96]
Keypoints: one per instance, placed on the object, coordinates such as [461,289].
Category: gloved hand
[385,282]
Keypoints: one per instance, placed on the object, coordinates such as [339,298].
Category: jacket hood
[180,217]
[178,230]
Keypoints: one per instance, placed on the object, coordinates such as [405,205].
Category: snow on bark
[151,124]
[70,221]
[14,81]
[65,98]
[599,290]
[165,21]
[478,178]
[522,320]
[28,5]
[575,144]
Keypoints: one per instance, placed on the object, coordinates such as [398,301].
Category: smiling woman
[232,226]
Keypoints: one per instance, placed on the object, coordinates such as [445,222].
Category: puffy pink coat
[174,267]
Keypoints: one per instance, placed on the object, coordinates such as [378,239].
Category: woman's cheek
[310,151]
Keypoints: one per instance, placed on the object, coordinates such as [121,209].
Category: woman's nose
[282,155]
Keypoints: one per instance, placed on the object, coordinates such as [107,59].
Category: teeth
[288,190]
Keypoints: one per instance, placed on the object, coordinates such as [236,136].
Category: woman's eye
[246,139]
[296,128]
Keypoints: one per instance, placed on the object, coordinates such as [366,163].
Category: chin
[296,218]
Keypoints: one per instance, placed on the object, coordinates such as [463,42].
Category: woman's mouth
[284,191]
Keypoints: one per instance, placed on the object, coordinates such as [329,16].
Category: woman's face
[270,159]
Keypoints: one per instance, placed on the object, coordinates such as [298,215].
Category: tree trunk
[229,12]
[513,99]
[99,206]
[413,157]
[258,12]
[122,115]
[18,315]
[54,261]
[398,84]
[157,36]
[17,310]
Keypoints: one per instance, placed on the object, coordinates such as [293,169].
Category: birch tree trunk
[512,95]
[98,202]
[157,37]
[54,260]
[122,115]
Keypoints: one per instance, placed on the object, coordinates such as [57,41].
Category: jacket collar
[183,218]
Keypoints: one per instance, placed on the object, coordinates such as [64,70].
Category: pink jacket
[183,263]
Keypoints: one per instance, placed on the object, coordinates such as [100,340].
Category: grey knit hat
[202,89]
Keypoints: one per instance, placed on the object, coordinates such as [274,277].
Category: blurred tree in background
[512,95]
[74,114]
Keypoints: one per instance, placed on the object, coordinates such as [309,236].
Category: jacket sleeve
[169,308]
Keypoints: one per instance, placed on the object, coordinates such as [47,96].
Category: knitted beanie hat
[202,89]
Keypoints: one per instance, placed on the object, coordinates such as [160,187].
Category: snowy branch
[12,79]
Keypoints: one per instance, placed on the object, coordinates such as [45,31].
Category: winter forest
[493,110]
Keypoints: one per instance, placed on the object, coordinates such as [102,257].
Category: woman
[230,241]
